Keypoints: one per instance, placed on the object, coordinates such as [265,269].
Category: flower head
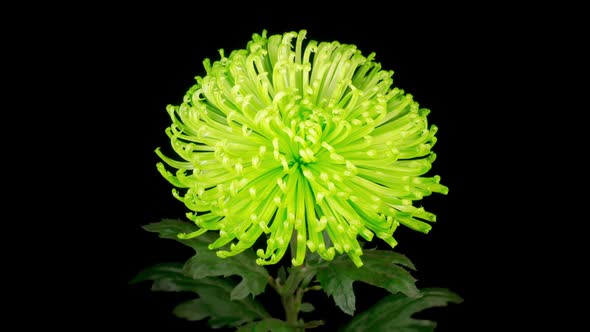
[306,143]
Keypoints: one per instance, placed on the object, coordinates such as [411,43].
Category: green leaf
[339,286]
[162,271]
[306,307]
[394,312]
[206,263]
[266,325]
[221,311]
[385,269]
[170,228]
[168,277]
[382,268]
[214,296]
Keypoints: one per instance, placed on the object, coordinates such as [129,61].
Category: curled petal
[306,144]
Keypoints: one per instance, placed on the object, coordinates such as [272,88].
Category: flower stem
[291,303]
[291,292]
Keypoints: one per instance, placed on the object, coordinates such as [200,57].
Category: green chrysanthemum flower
[308,144]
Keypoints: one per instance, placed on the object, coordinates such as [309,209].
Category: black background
[427,63]
[106,75]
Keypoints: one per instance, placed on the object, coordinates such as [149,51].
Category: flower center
[307,140]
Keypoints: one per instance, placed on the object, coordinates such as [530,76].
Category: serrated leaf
[388,256]
[206,263]
[221,312]
[339,286]
[394,312]
[160,271]
[214,296]
[267,325]
[254,277]
[382,268]
[168,277]
[170,228]
[385,269]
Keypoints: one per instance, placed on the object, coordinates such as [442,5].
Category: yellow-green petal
[307,144]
